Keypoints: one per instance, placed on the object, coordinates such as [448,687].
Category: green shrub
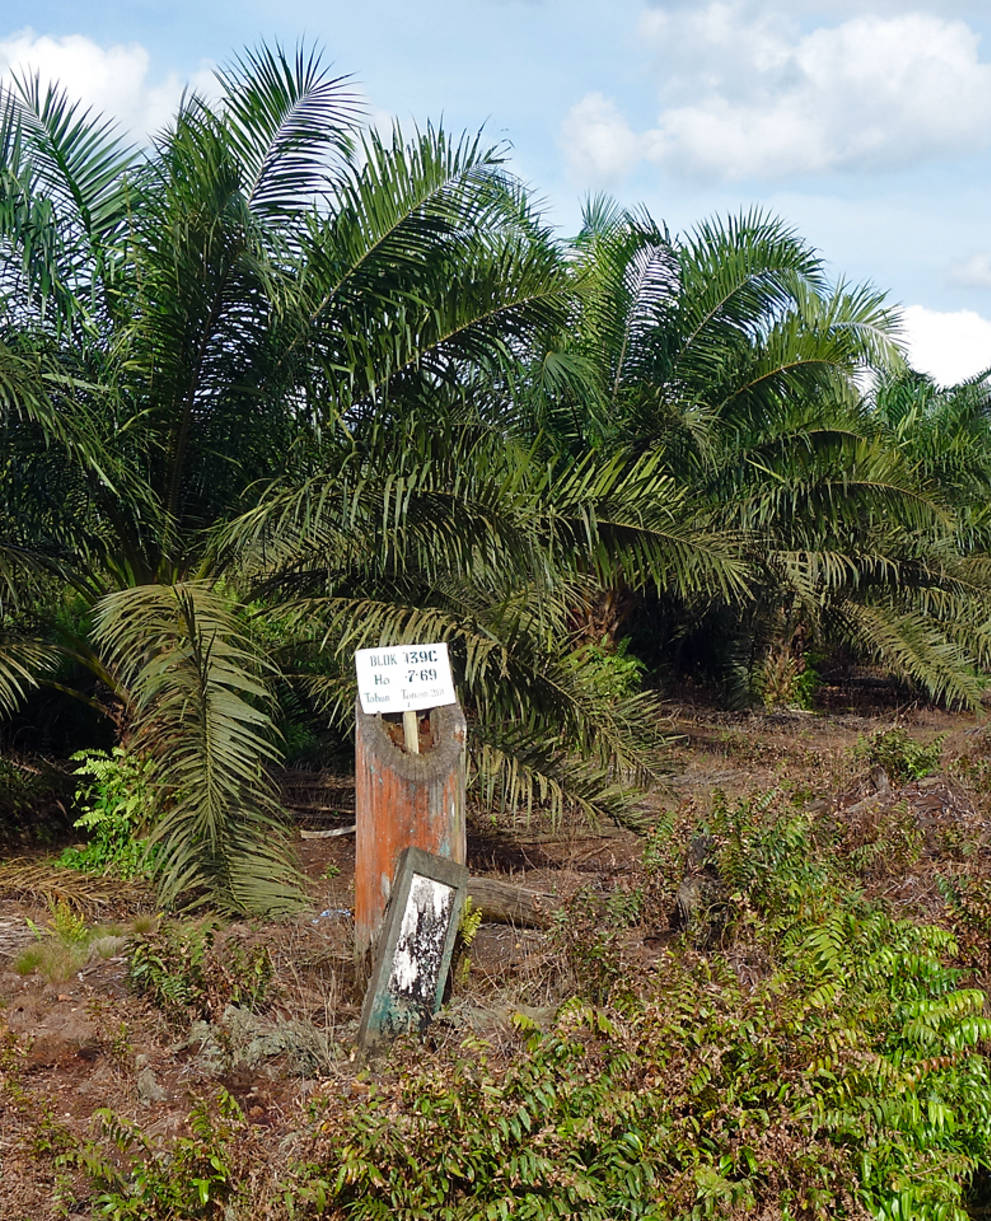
[806,686]
[900,756]
[586,934]
[825,1062]
[114,793]
[770,855]
[847,1083]
[143,1182]
[611,671]
[191,969]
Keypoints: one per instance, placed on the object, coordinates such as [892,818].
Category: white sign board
[404,677]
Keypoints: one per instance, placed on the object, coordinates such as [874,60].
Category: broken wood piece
[869,802]
[312,808]
[503,902]
[328,834]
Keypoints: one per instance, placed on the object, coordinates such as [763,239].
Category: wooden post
[403,800]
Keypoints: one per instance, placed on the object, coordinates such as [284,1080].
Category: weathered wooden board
[414,955]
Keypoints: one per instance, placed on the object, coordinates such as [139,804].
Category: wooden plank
[331,834]
[411,967]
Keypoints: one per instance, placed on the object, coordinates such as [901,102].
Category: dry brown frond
[88,894]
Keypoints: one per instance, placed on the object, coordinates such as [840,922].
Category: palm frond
[629,517]
[199,704]
[23,662]
[515,775]
[736,277]
[286,119]
[63,198]
[629,281]
[914,648]
[77,156]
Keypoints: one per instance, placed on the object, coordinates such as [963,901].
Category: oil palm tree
[727,351]
[271,358]
[247,296]
[452,527]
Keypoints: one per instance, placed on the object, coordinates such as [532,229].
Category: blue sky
[867,127]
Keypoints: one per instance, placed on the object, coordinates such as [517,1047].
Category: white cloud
[746,92]
[113,80]
[948,346]
[974,272]
[599,143]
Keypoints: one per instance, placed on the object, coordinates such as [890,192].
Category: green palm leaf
[914,647]
[63,198]
[199,706]
[286,120]
[23,662]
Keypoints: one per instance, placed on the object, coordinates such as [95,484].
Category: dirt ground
[84,1039]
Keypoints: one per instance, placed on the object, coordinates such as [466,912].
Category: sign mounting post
[403,798]
[411,732]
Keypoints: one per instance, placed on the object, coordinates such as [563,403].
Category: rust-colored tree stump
[403,800]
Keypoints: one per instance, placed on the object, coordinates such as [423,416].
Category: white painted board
[404,677]
[419,956]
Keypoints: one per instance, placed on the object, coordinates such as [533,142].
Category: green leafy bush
[825,1061]
[145,1183]
[806,685]
[192,969]
[586,934]
[900,756]
[610,670]
[115,795]
[848,1083]
[770,858]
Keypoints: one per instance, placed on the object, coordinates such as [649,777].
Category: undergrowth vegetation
[825,1060]
[804,1051]
[899,755]
[192,969]
[65,943]
[114,795]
